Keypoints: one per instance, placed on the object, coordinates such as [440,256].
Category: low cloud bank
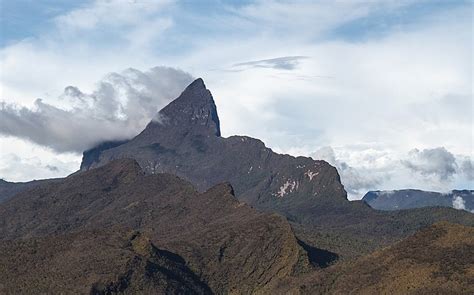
[366,169]
[119,108]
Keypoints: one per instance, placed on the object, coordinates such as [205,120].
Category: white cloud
[110,13]
[346,92]
[459,203]
[309,19]
[371,99]
[437,162]
[82,46]
[24,161]
[281,63]
[118,109]
[371,167]
[467,167]
[357,180]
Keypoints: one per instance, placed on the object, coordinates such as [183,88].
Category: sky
[380,89]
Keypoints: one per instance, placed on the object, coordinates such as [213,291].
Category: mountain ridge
[413,198]
[195,108]
[179,203]
[228,244]
[308,192]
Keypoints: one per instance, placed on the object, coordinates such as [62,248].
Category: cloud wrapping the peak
[119,108]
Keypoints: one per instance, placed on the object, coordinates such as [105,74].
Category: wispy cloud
[280,63]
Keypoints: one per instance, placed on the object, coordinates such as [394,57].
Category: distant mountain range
[409,198]
[179,209]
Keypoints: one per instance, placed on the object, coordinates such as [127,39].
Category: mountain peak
[196,84]
[194,110]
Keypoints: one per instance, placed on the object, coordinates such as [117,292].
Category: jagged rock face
[194,111]
[186,141]
[227,243]
[408,199]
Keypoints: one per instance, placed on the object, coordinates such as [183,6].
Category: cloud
[135,23]
[119,108]
[467,168]
[326,153]
[52,168]
[437,162]
[365,167]
[24,161]
[81,45]
[307,19]
[109,13]
[387,61]
[356,180]
[280,63]
[459,203]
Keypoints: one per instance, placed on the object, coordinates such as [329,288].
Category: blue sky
[22,19]
[381,89]
[26,18]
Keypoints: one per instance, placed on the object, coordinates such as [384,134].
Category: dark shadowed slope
[410,198]
[186,142]
[226,243]
[94,262]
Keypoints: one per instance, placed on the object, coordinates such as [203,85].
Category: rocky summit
[185,139]
[179,209]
